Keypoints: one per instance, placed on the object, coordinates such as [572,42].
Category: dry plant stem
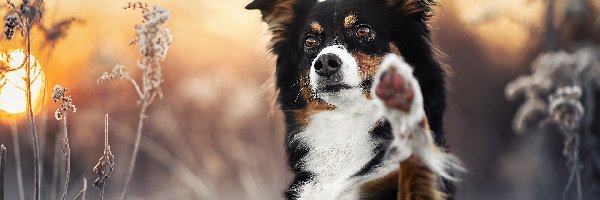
[179,170]
[36,144]
[27,25]
[153,41]
[83,191]
[136,147]
[105,147]
[2,170]
[137,88]
[17,150]
[575,169]
[67,151]
[55,182]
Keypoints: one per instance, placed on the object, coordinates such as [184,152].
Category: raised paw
[394,90]
[397,93]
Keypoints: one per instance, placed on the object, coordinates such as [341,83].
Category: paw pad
[394,90]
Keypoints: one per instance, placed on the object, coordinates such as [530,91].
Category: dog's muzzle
[327,65]
[334,69]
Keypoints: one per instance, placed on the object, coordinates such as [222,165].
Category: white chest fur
[340,146]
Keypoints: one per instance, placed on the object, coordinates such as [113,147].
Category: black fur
[382,133]
[408,31]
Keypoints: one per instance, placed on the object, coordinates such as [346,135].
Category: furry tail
[438,160]
[417,182]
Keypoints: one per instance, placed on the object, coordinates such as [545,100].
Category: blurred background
[216,135]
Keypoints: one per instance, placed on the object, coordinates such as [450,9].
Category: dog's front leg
[398,95]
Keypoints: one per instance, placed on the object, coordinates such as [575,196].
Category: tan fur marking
[373,188]
[316,27]
[350,20]
[393,48]
[367,67]
[413,180]
[417,182]
[367,64]
[313,105]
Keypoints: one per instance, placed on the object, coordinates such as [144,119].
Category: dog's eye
[310,42]
[363,31]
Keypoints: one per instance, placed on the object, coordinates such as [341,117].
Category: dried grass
[17,150]
[65,105]
[153,41]
[2,169]
[106,163]
[27,15]
[554,96]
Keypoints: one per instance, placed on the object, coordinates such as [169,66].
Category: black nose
[327,65]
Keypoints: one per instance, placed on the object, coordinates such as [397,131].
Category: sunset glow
[12,92]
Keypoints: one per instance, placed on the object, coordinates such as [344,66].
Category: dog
[363,98]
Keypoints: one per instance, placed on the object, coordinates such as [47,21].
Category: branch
[17,150]
[2,169]
[83,191]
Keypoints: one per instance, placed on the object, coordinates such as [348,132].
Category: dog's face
[342,43]
[328,53]
[329,50]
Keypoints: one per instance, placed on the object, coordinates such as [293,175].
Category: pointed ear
[419,8]
[276,13]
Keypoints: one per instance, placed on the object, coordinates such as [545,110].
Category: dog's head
[329,50]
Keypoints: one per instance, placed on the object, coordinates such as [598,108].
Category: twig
[137,88]
[2,170]
[136,148]
[106,163]
[55,182]
[17,150]
[27,24]
[67,151]
[83,191]
[157,152]
[36,144]
[574,165]
[153,43]
[61,113]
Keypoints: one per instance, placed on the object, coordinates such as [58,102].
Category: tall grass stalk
[153,42]
[28,15]
[57,166]
[65,105]
[106,163]
[17,150]
[2,170]
[67,152]
[83,192]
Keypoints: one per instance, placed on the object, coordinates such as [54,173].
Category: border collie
[363,98]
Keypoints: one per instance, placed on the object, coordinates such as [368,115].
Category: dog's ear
[418,8]
[276,13]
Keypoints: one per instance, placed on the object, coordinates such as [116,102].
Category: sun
[12,82]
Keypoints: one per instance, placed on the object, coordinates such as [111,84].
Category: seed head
[11,24]
[66,102]
[119,71]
